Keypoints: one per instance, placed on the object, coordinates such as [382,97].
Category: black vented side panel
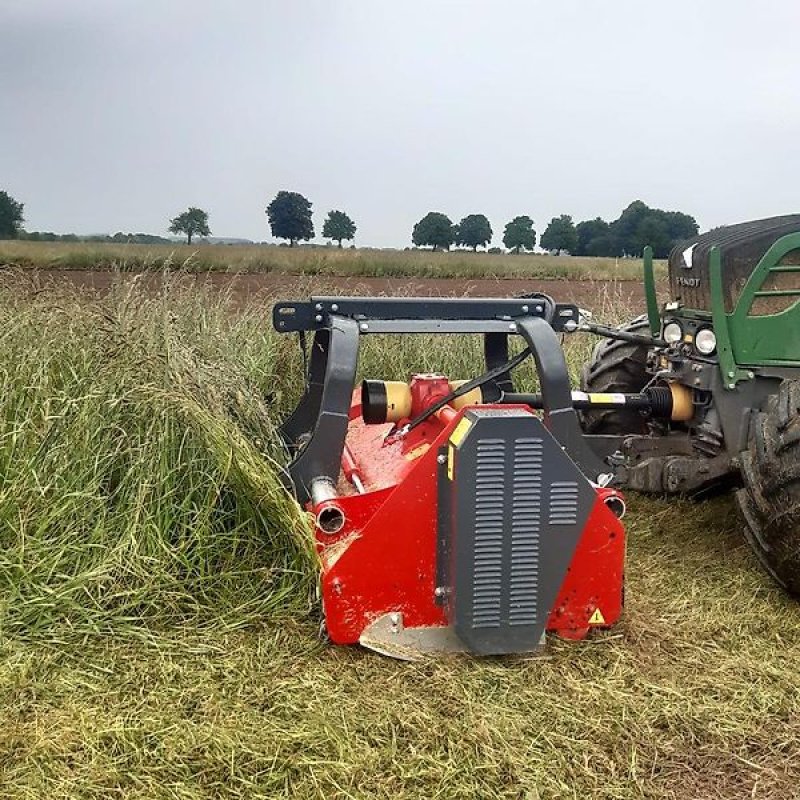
[517,507]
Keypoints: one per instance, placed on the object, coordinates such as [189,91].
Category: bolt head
[318,318]
[512,326]
[441,458]
[318,306]
[363,326]
[525,309]
[731,374]
[335,307]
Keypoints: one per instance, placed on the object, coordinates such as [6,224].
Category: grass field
[158,619]
[314,261]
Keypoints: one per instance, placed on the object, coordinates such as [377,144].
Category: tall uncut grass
[323,261]
[140,464]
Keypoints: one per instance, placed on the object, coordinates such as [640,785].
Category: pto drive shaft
[393,401]
[657,401]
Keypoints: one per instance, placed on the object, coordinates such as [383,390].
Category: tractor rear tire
[617,366]
[770,499]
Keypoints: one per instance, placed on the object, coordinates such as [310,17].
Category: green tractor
[727,345]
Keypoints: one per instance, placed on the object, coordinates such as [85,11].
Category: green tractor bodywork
[737,287]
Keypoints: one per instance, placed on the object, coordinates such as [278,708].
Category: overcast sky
[118,114]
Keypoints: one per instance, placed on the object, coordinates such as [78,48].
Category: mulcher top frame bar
[317,428]
[422,314]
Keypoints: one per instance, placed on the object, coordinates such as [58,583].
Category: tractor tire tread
[616,366]
[770,499]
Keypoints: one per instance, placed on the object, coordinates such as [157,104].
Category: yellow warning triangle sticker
[597,618]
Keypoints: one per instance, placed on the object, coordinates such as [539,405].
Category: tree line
[289,217]
[637,226]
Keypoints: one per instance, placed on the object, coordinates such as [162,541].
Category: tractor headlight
[705,341]
[673,333]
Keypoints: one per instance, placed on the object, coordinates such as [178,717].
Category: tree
[289,216]
[560,235]
[474,231]
[338,226]
[639,225]
[625,228]
[604,245]
[10,216]
[519,234]
[653,231]
[680,226]
[193,221]
[434,230]
[594,236]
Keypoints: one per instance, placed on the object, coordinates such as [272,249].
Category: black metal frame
[316,430]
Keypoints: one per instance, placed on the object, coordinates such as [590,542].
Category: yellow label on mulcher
[456,437]
[597,618]
[460,431]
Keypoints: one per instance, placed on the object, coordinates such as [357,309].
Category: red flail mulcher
[454,515]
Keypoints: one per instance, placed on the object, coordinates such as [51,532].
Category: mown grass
[158,631]
[321,261]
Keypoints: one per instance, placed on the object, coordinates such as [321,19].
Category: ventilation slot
[563,503]
[488,553]
[526,515]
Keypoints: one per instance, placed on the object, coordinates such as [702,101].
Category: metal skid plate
[388,636]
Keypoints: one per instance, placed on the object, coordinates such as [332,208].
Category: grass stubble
[158,619]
